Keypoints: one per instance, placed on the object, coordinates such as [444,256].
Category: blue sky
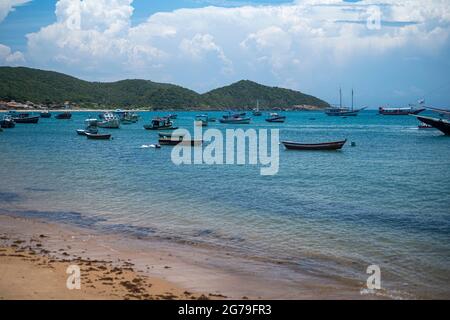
[313,46]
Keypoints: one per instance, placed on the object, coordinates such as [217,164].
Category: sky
[392,52]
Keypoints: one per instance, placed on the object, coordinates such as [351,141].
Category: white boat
[110,121]
[256,111]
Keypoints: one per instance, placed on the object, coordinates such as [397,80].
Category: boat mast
[352,99]
[340,97]
[257,105]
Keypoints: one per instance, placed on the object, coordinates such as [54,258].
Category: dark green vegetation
[46,87]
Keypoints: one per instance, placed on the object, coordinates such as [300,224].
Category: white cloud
[6,6]
[212,45]
[9,58]
[202,44]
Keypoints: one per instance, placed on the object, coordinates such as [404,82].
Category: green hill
[46,87]
[243,94]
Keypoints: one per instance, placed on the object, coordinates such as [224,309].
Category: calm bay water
[385,201]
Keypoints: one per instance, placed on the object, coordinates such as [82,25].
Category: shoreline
[174,269]
[161,110]
[33,267]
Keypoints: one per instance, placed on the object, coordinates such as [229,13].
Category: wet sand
[34,256]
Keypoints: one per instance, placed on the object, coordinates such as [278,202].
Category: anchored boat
[342,111]
[97,136]
[64,116]
[45,114]
[440,124]
[236,118]
[7,122]
[110,121]
[275,117]
[256,111]
[160,124]
[335,145]
[175,140]
[399,111]
[25,118]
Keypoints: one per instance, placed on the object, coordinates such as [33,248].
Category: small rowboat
[235,120]
[97,136]
[179,140]
[82,132]
[169,135]
[336,145]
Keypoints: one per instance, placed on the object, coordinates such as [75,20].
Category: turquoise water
[385,201]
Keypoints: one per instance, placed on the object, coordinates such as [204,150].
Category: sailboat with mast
[256,111]
[343,111]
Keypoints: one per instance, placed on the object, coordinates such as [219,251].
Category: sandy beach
[31,271]
[35,254]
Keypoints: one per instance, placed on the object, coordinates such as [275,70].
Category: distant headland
[27,88]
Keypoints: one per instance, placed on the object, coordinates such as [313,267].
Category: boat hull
[7,124]
[235,121]
[109,124]
[277,119]
[440,124]
[97,136]
[336,145]
[27,120]
[342,113]
[150,127]
[82,132]
[64,116]
[399,112]
[174,142]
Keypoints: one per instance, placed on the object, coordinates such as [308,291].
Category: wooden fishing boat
[335,145]
[234,115]
[440,124]
[45,114]
[173,141]
[63,116]
[160,124]
[169,134]
[26,118]
[235,120]
[7,122]
[97,136]
[275,117]
[92,130]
